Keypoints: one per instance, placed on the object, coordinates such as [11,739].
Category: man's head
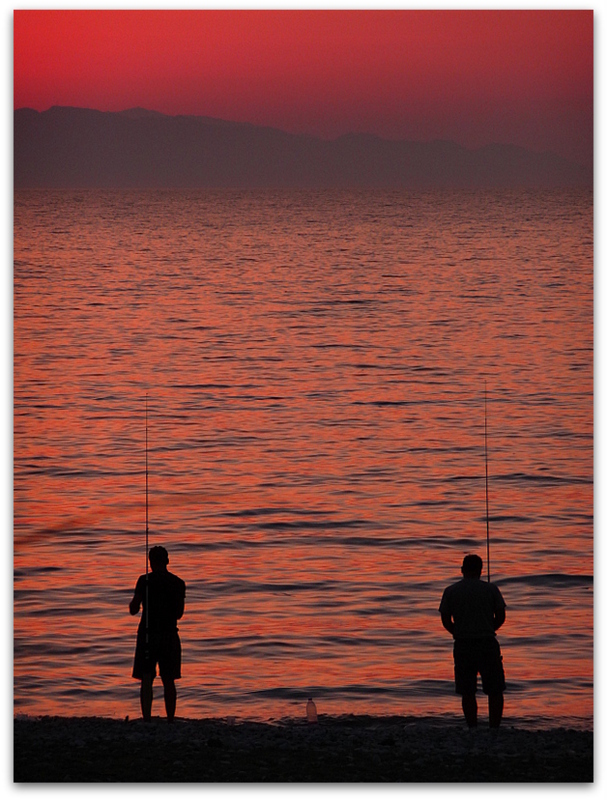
[159,558]
[472,566]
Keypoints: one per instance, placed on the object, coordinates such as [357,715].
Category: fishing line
[487,490]
[146,532]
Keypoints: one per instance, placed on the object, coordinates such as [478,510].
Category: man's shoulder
[450,591]
[176,580]
[454,587]
[497,594]
[472,587]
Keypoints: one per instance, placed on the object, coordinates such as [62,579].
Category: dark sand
[348,749]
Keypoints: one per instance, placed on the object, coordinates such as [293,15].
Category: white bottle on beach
[311,711]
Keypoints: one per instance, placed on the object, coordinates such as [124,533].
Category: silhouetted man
[473,610]
[162,595]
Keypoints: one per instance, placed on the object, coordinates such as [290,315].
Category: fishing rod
[146,532]
[487,490]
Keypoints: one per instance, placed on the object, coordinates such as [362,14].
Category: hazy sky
[475,77]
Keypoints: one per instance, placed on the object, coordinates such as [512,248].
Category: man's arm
[499,617]
[180,604]
[447,622]
[135,604]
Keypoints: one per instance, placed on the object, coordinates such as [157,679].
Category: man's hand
[499,618]
[447,622]
[135,604]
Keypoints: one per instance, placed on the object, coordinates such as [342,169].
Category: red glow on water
[313,461]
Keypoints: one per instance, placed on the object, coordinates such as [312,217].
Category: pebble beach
[348,749]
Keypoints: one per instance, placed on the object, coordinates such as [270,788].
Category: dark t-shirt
[472,603]
[166,597]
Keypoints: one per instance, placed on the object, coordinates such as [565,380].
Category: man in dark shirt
[472,611]
[162,596]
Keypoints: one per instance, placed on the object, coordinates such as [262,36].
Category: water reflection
[315,367]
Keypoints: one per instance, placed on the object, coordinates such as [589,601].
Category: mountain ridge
[74,147]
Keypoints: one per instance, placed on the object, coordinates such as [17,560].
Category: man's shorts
[163,649]
[474,656]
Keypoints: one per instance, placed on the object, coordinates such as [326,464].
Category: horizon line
[318,137]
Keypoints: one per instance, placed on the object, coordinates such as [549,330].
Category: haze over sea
[315,366]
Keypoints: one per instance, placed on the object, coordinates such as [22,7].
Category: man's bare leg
[146,696]
[170,697]
[470,709]
[496,709]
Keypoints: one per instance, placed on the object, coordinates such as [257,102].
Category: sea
[331,397]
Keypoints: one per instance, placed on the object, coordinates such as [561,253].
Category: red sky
[523,77]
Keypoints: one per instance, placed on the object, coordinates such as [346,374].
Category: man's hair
[472,565]
[158,555]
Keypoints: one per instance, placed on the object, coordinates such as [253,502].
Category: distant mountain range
[84,148]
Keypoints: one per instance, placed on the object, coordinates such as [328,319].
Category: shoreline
[345,749]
